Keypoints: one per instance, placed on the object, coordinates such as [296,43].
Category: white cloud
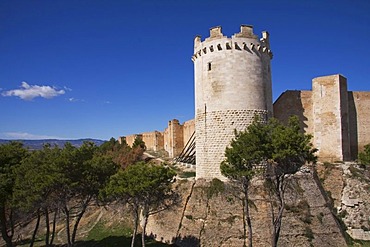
[25,136]
[29,92]
[75,100]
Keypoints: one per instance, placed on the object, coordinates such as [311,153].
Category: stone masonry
[232,85]
[172,139]
[337,119]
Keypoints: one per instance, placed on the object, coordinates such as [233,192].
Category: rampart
[153,140]
[172,139]
[337,119]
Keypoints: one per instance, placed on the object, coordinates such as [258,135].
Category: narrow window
[209,66]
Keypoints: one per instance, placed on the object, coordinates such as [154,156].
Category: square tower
[330,118]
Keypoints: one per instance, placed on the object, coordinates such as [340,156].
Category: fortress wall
[297,103]
[330,117]
[359,105]
[153,140]
[121,139]
[131,139]
[173,138]
[188,130]
[342,119]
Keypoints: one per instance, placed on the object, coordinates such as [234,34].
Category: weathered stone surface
[232,80]
[219,221]
[348,185]
[337,119]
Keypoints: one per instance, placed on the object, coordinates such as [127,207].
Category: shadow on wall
[293,103]
[353,131]
[186,241]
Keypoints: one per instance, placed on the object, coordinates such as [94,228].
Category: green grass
[359,243]
[186,174]
[116,235]
[100,231]
[106,236]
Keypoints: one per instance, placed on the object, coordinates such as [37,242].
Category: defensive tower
[232,85]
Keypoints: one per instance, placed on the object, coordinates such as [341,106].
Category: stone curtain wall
[153,140]
[131,138]
[173,138]
[359,105]
[338,120]
[188,130]
[297,103]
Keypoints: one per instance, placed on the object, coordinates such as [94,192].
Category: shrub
[308,233]
[364,157]
[216,187]
[320,216]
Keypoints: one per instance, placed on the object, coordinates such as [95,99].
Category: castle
[233,84]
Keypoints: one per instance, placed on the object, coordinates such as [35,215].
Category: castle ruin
[232,79]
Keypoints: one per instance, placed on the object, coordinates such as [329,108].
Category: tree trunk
[36,228]
[280,187]
[144,221]
[47,225]
[11,220]
[247,213]
[68,230]
[54,227]
[4,229]
[136,222]
[79,217]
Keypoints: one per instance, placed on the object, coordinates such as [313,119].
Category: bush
[364,157]
[216,187]
[309,233]
[320,217]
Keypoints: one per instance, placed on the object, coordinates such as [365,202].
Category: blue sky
[101,69]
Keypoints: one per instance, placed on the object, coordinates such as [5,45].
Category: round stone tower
[232,85]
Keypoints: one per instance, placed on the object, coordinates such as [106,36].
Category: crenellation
[246,31]
[215,33]
[227,46]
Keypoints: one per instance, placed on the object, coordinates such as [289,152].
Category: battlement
[245,40]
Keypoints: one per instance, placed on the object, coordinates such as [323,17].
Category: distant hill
[38,144]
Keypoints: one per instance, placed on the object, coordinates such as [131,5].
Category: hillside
[38,144]
[327,205]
